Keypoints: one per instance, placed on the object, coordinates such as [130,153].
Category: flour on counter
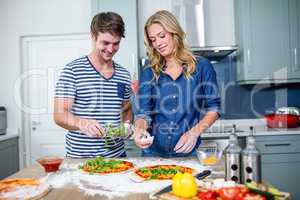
[112,185]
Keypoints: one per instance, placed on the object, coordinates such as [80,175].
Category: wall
[32,17]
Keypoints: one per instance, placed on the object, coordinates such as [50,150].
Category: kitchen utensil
[282,120]
[168,188]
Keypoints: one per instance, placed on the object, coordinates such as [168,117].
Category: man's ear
[93,37]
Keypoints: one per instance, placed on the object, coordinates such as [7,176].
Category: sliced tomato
[229,193]
[251,196]
[209,195]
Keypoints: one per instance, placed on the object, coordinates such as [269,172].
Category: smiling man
[93,91]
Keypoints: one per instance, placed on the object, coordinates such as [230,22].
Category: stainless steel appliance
[3,120]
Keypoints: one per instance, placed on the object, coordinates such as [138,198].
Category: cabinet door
[263,39]
[294,72]
[282,171]
[9,156]
[127,55]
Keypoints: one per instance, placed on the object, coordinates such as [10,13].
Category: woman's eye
[162,35]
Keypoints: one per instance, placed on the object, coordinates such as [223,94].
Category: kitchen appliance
[195,17]
[3,120]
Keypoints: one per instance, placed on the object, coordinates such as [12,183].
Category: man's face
[107,45]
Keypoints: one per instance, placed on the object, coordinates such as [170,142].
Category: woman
[173,92]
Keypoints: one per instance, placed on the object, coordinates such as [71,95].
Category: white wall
[32,17]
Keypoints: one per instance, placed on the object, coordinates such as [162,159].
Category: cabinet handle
[296,58]
[277,145]
[249,60]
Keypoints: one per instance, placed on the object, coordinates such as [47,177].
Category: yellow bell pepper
[184,185]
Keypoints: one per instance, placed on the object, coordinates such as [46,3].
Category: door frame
[25,133]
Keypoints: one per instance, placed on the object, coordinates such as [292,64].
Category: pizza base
[23,189]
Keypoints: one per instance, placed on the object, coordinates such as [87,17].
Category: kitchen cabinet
[267,33]
[9,156]
[281,161]
[295,39]
[127,55]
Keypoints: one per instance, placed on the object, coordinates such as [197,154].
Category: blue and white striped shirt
[95,97]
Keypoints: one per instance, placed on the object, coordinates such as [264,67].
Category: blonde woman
[178,95]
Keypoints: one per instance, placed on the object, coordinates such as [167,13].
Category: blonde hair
[181,53]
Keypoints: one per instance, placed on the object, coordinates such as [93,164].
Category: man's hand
[91,128]
[142,138]
[186,143]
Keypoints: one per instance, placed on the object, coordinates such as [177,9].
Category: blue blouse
[172,107]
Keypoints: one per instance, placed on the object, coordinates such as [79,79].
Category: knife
[198,176]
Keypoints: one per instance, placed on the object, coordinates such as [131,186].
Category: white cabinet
[127,56]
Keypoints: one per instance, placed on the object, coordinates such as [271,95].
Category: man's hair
[108,22]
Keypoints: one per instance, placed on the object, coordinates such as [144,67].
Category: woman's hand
[186,143]
[143,139]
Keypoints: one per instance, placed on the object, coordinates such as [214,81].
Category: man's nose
[110,48]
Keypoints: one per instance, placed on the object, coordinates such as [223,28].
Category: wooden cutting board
[171,196]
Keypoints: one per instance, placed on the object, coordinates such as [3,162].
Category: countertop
[9,134]
[76,193]
[221,129]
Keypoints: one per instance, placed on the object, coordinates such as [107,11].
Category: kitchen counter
[221,129]
[10,134]
[72,191]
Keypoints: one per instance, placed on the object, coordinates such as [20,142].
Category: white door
[43,58]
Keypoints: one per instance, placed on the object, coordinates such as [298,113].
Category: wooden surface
[69,192]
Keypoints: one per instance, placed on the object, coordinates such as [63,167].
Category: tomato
[229,193]
[251,196]
[240,196]
[209,195]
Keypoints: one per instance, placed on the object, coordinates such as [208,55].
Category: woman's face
[161,40]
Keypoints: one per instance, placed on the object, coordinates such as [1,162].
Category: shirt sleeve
[210,87]
[143,100]
[65,86]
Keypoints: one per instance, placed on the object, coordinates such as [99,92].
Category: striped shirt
[95,97]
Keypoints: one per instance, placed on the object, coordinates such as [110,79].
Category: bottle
[251,161]
[233,158]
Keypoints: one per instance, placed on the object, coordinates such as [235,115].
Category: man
[93,91]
